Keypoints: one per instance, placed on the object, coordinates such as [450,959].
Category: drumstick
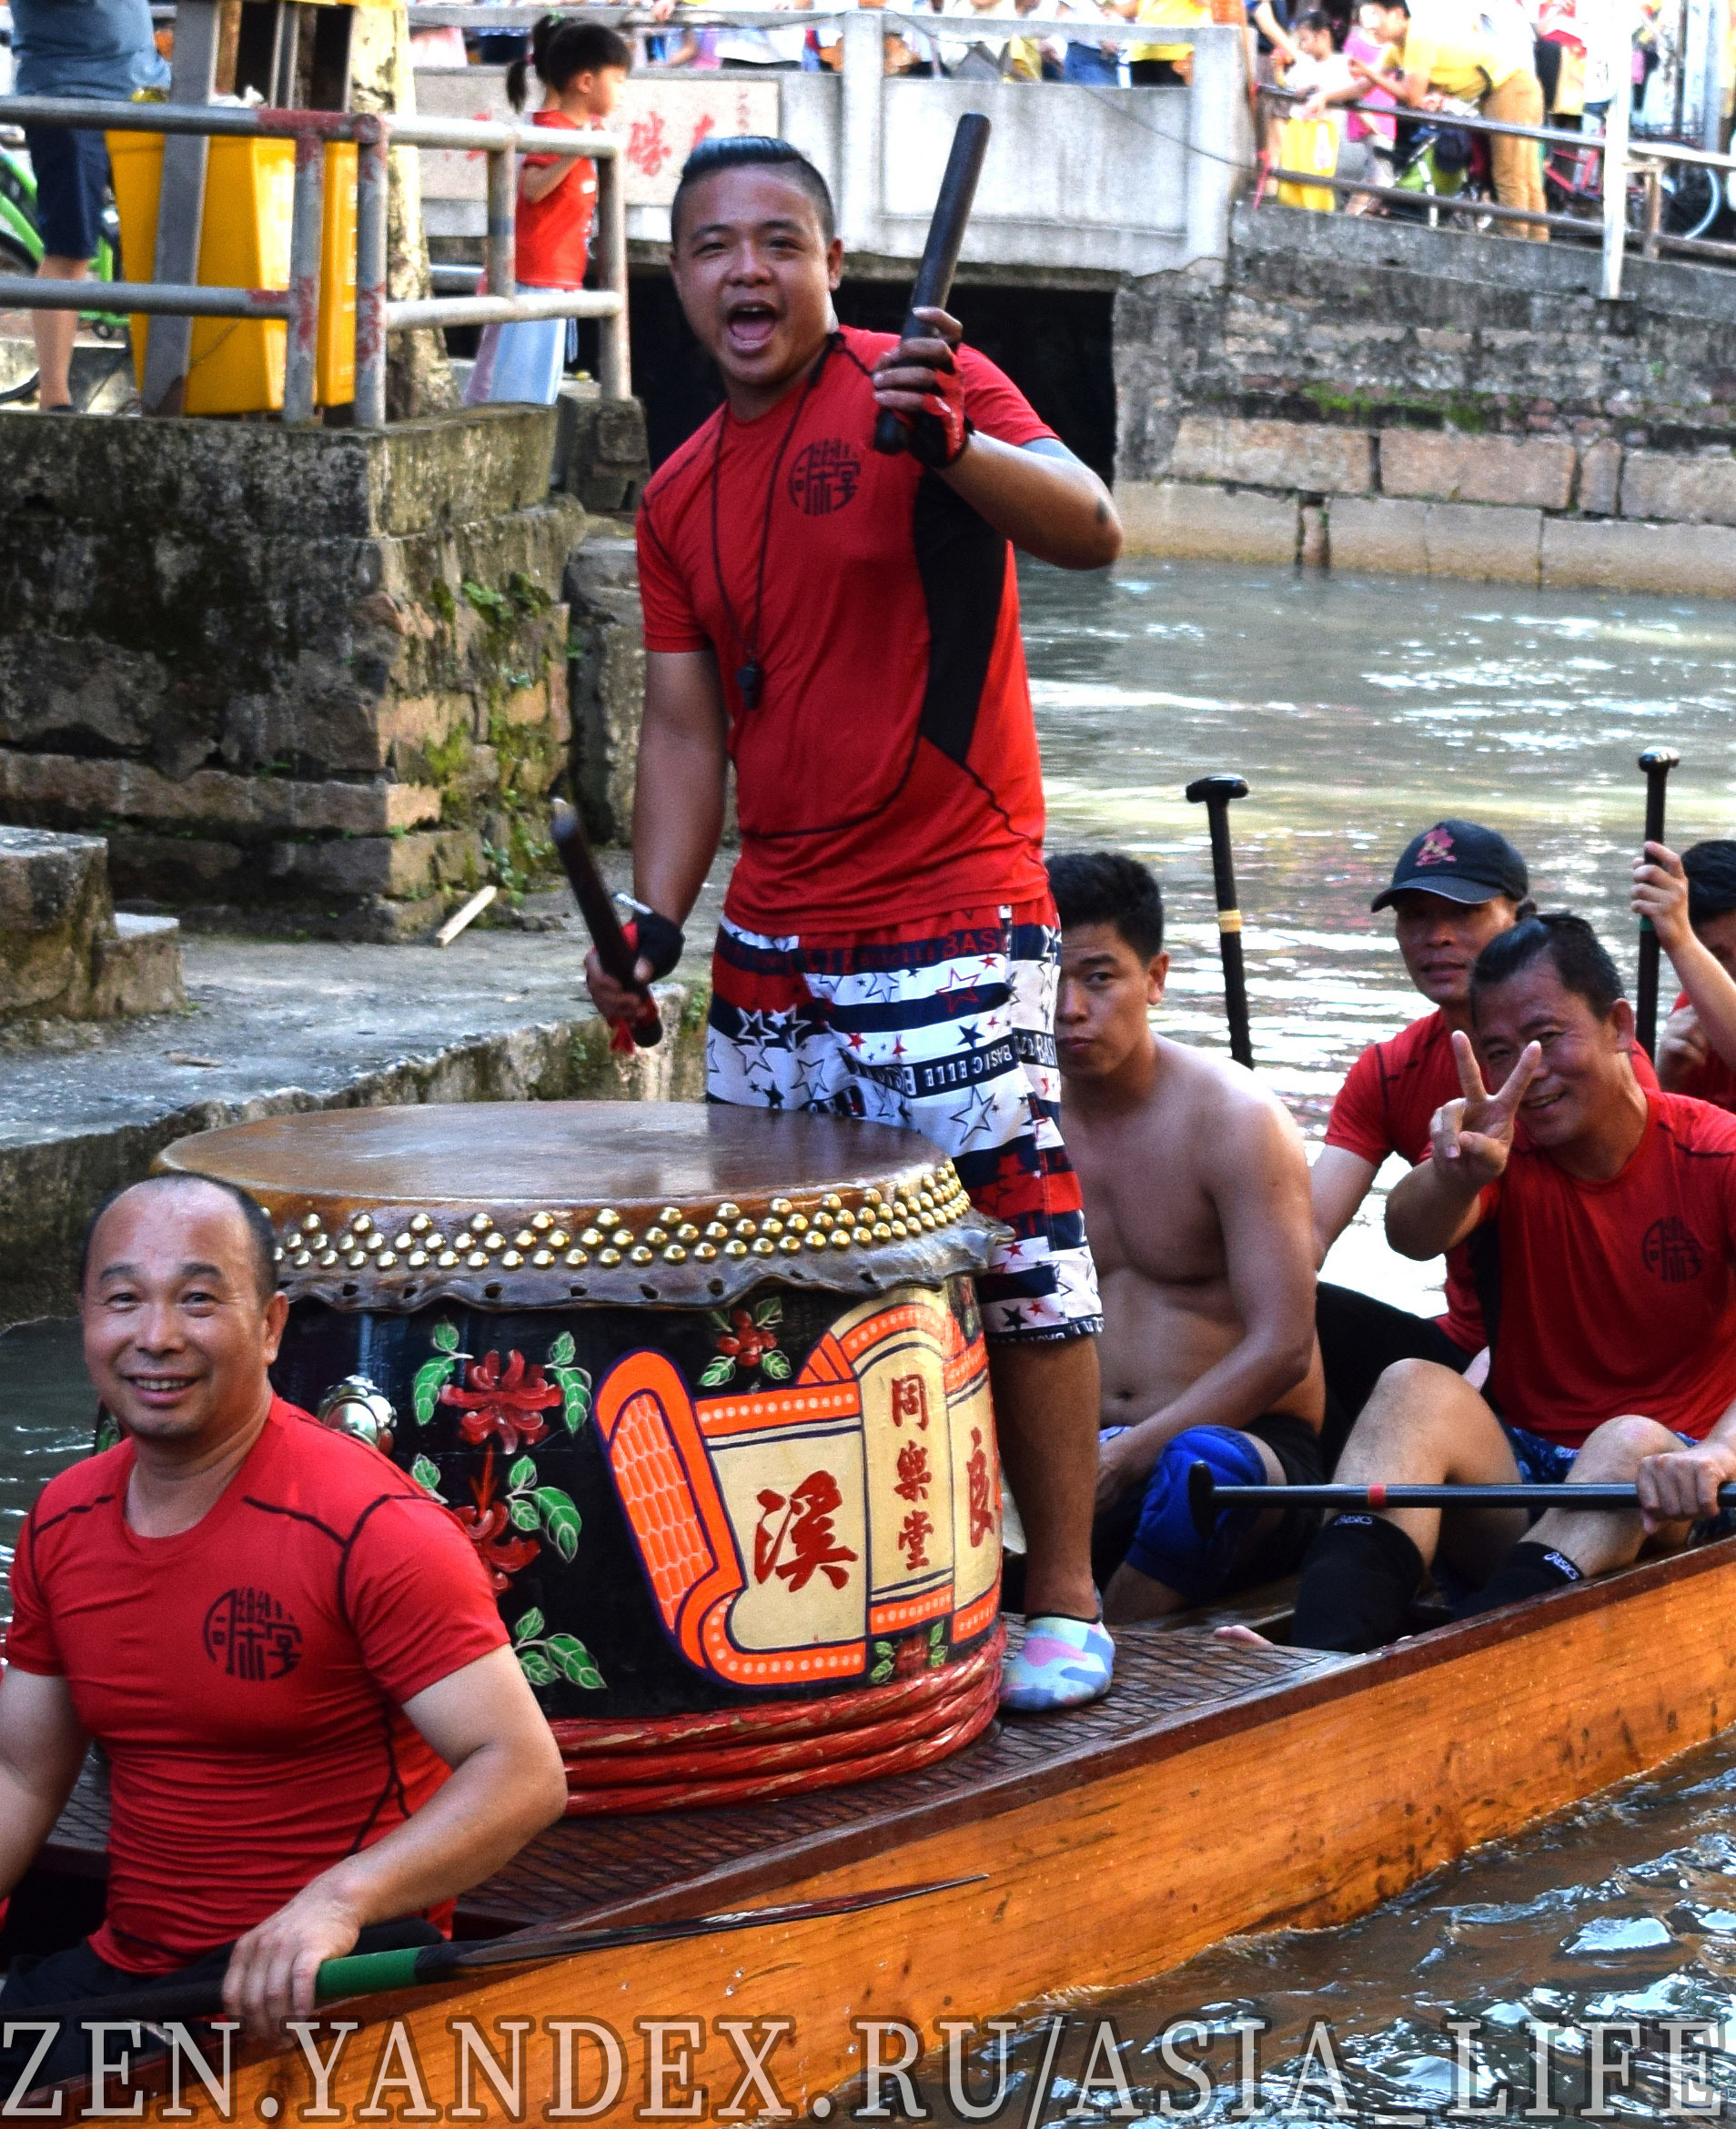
[939,253]
[1656,764]
[597,906]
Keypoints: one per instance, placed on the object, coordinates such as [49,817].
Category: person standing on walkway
[1448,52]
[96,48]
[844,625]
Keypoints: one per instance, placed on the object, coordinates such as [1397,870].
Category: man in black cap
[1455,888]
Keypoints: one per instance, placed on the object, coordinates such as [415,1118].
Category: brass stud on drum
[402,1241]
[798,1224]
[421,1224]
[715,1231]
[448,1258]
[746,1229]
[356,1259]
[310,1225]
[591,1238]
[622,1237]
[831,1202]
[671,1216]
[815,1239]
[302,1260]
[642,1255]
[609,1258]
[328,1257]
[386,1259]
[791,1245]
[770,1227]
[542,1258]
[417,1259]
[362,1223]
[729,1212]
[735,1249]
[559,1238]
[687,1232]
[657,1237]
[840,1239]
[477,1259]
[481,1223]
[577,1258]
[782,1206]
[494,1242]
[512,1260]
[674,1254]
[542,1222]
[609,1217]
[706,1252]
[523,1239]
[763,1247]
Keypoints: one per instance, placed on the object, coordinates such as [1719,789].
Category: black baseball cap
[1460,860]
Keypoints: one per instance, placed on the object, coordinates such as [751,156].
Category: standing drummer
[844,625]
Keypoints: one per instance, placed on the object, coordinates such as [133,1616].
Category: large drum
[707,1390]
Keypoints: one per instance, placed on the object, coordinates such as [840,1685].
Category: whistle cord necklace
[749,676]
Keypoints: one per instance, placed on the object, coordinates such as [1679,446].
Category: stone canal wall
[1360,395]
[306,679]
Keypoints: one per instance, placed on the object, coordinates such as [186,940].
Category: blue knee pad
[1167,1545]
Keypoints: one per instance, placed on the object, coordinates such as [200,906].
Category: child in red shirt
[583,67]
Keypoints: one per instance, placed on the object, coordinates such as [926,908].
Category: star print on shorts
[944,1026]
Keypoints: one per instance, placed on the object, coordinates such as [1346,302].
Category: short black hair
[1314,21]
[1574,950]
[561,49]
[1710,868]
[740,151]
[261,1233]
[1106,887]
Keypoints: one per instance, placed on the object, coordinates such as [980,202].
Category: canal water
[1359,711]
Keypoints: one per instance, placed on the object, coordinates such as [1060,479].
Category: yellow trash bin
[236,364]
[1309,143]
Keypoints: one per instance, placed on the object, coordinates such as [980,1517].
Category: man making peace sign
[1602,1223]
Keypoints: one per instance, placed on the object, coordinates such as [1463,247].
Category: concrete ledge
[1483,542]
[1168,518]
[55,788]
[1387,535]
[1477,469]
[1307,456]
[1692,560]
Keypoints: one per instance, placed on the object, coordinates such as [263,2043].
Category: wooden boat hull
[1099,1842]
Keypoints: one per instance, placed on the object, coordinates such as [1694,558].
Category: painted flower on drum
[489,1528]
[506,1402]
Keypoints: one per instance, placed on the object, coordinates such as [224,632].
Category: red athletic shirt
[554,232]
[1387,1105]
[247,1678]
[1714,1082]
[1620,1297]
[891,768]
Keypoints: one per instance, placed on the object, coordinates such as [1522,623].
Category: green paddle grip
[368,1974]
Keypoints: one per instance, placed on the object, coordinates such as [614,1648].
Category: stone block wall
[64,953]
[1373,396]
[302,679]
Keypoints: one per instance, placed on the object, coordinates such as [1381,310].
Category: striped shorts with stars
[944,1026]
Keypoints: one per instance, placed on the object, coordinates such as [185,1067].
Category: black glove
[654,939]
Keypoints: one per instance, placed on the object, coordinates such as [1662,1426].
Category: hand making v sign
[1472,1137]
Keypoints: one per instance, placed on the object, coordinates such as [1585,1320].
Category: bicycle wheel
[1692,199]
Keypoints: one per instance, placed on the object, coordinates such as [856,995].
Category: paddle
[1655,763]
[1205,1497]
[1215,792]
[939,253]
[374,1973]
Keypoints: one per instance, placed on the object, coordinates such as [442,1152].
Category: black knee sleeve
[1358,1581]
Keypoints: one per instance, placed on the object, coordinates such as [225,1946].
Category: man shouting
[844,627]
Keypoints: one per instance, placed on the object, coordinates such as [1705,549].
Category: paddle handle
[1215,792]
[939,253]
[1655,763]
[370,1974]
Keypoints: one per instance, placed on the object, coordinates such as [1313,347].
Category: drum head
[546,1204]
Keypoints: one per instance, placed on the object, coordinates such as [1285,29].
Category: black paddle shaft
[1656,764]
[939,253]
[1215,793]
[1206,1498]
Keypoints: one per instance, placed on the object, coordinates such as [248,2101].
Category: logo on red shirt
[252,1636]
[825,476]
[1671,1250]
[1436,848]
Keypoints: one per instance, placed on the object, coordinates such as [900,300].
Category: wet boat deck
[670,1864]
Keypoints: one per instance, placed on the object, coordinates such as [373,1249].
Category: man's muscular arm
[507,1784]
[1337,1183]
[1258,1186]
[42,1748]
[678,801]
[1037,495]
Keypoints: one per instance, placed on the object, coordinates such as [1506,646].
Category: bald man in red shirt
[317,1732]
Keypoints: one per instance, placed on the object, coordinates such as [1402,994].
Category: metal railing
[376,316]
[1623,159]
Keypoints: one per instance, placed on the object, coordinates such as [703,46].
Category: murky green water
[1359,711]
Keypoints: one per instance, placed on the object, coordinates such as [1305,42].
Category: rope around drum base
[763,1752]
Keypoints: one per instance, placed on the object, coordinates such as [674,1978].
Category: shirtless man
[1196,1202]
[1612,1222]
